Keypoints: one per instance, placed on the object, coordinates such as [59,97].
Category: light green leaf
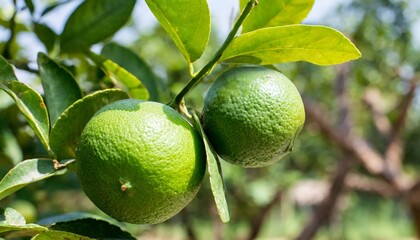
[94,21]
[13,224]
[30,171]
[187,22]
[315,44]
[59,235]
[75,117]
[60,88]
[272,13]
[130,61]
[215,174]
[29,102]
[119,74]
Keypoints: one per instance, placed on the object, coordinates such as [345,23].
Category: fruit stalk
[210,65]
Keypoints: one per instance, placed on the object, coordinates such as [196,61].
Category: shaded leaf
[13,224]
[119,74]
[9,146]
[46,35]
[30,171]
[29,102]
[94,228]
[272,13]
[60,88]
[94,21]
[30,6]
[75,117]
[215,174]
[133,64]
[59,235]
[54,5]
[315,44]
[187,22]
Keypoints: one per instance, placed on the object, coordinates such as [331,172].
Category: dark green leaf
[94,21]
[272,13]
[53,6]
[30,6]
[215,174]
[94,228]
[13,224]
[46,35]
[29,102]
[30,171]
[59,235]
[60,88]
[133,64]
[315,44]
[118,74]
[187,22]
[63,141]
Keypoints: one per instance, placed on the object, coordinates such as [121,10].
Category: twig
[394,151]
[362,183]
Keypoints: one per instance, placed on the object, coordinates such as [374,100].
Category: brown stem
[324,212]
[362,183]
[372,99]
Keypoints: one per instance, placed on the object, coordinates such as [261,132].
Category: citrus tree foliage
[77,80]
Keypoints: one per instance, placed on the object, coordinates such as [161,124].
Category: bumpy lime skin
[252,116]
[140,162]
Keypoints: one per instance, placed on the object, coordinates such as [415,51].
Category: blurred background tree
[352,175]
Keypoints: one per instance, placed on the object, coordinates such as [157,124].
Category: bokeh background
[353,174]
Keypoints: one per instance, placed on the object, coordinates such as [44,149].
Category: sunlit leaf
[9,145]
[315,44]
[215,174]
[119,74]
[133,64]
[60,88]
[187,22]
[94,21]
[75,117]
[59,235]
[272,13]
[30,171]
[29,102]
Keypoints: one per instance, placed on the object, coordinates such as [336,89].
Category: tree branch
[372,98]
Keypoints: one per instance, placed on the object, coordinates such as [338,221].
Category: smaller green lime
[252,116]
[140,161]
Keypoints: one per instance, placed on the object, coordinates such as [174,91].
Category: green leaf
[215,173]
[59,235]
[54,5]
[29,102]
[119,74]
[30,171]
[75,117]
[92,227]
[13,224]
[130,61]
[315,44]
[187,22]
[94,21]
[46,35]
[272,13]
[30,6]
[60,88]
[9,145]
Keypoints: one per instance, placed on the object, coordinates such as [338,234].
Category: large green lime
[139,161]
[252,116]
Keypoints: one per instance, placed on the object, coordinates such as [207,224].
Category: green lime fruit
[252,116]
[139,161]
